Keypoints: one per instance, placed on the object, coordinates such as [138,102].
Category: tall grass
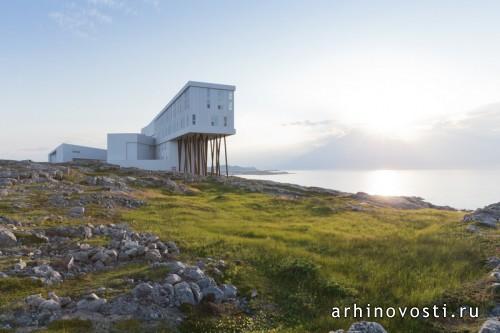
[308,255]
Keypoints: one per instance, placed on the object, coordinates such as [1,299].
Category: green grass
[307,255]
[303,256]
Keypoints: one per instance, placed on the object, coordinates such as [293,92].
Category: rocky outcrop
[488,216]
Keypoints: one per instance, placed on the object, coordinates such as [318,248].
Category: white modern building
[187,135]
[67,153]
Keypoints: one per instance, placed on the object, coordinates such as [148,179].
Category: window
[214,121]
[194,119]
[76,152]
[230,106]
[225,121]
[219,107]
[208,98]
[230,95]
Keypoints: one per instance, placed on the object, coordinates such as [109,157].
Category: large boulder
[214,294]
[7,238]
[193,273]
[91,303]
[175,266]
[142,290]
[184,294]
[487,216]
[490,326]
[49,305]
[76,212]
[47,274]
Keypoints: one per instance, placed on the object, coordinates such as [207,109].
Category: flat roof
[193,84]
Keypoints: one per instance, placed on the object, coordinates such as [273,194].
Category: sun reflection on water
[384,182]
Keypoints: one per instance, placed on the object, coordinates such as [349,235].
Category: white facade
[203,111]
[198,108]
[67,153]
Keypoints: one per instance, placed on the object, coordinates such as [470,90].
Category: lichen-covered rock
[7,238]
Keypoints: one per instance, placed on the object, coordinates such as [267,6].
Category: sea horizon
[465,189]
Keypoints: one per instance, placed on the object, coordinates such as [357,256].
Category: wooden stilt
[225,155]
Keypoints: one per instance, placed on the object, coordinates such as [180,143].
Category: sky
[320,84]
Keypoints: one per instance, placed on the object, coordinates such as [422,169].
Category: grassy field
[304,256]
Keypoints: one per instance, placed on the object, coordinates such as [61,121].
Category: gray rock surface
[490,326]
[487,216]
[7,238]
[363,327]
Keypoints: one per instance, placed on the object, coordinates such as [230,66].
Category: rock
[495,312]
[487,216]
[99,265]
[472,228]
[175,266]
[213,293]
[142,290]
[490,326]
[49,305]
[86,231]
[184,294]
[7,238]
[495,276]
[495,290]
[364,327]
[3,275]
[173,279]
[20,265]
[47,274]
[229,291]
[34,301]
[193,273]
[206,282]
[172,247]
[493,262]
[52,295]
[68,263]
[91,303]
[198,295]
[77,212]
[153,255]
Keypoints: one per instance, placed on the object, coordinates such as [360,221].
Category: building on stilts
[189,134]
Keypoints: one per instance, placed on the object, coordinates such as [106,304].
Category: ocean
[461,189]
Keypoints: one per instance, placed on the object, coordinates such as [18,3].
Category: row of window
[220,107]
[213,122]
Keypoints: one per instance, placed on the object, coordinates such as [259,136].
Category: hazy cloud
[80,21]
[308,123]
[84,19]
[470,140]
